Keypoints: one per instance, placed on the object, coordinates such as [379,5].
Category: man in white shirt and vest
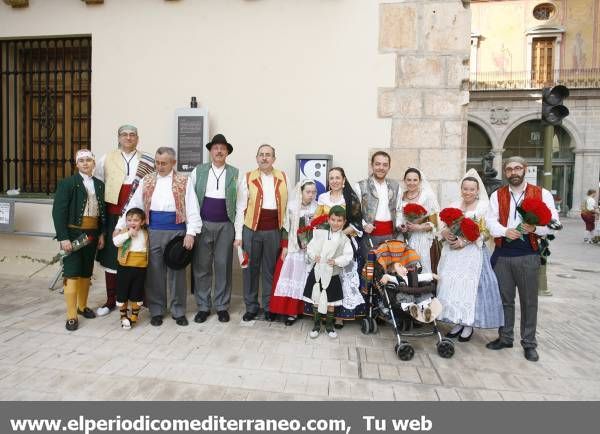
[215,184]
[171,206]
[378,200]
[261,207]
[516,258]
[117,169]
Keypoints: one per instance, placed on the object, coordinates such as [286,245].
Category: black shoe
[269,317]
[249,316]
[531,354]
[290,320]
[465,339]
[181,321]
[156,320]
[223,316]
[72,325]
[453,335]
[201,316]
[87,313]
[498,345]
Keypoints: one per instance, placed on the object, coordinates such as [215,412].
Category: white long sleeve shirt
[514,218]
[163,200]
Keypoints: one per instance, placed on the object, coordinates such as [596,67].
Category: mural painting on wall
[503,59]
[579,57]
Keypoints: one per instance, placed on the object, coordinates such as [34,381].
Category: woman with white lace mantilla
[468,288]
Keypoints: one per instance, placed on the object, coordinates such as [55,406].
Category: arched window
[478,144]
[527,141]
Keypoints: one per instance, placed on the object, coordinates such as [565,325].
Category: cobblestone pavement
[40,360]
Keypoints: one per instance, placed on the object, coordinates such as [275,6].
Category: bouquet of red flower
[470,229]
[414,213]
[533,212]
[460,225]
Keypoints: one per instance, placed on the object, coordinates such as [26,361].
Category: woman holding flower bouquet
[341,193]
[291,270]
[416,216]
[468,289]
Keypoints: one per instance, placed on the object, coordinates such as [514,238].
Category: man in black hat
[215,184]
[172,210]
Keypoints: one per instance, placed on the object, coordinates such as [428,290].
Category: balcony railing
[517,80]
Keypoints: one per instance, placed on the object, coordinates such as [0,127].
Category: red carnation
[535,212]
[414,212]
[318,221]
[450,215]
[469,229]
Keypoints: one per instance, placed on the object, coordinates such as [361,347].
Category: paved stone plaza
[40,360]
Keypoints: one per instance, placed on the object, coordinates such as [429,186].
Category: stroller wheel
[373,325]
[365,326]
[404,351]
[445,348]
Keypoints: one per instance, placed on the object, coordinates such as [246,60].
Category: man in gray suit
[215,184]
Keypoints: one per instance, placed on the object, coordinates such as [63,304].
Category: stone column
[428,104]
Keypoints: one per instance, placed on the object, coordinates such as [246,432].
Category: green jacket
[231,178]
[69,204]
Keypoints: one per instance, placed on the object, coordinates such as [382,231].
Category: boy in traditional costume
[132,256]
[329,250]
[78,210]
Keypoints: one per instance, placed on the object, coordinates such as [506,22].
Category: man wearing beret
[172,211]
[215,184]
[117,169]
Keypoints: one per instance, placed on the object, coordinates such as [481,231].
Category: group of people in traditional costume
[305,252]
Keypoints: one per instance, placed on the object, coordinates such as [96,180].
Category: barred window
[45,102]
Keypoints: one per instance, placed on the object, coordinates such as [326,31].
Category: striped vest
[255,197]
[179,187]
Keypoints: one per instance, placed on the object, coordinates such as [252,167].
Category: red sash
[113,209]
[382,228]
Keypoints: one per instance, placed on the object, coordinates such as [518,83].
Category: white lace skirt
[459,272]
[421,243]
[294,273]
[351,286]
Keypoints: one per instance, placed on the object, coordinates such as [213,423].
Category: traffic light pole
[548,139]
[547,182]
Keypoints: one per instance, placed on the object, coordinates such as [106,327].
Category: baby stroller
[385,300]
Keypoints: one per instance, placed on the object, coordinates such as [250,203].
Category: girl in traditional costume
[329,252]
[79,217]
[292,269]
[420,234]
[341,194]
[468,289]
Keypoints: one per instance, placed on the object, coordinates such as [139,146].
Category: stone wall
[431,42]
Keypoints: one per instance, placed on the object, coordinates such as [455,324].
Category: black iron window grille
[45,104]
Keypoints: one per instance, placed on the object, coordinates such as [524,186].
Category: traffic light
[553,110]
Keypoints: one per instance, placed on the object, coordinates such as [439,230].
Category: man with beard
[117,169]
[215,184]
[378,198]
[516,259]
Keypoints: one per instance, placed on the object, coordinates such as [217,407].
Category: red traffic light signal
[553,110]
